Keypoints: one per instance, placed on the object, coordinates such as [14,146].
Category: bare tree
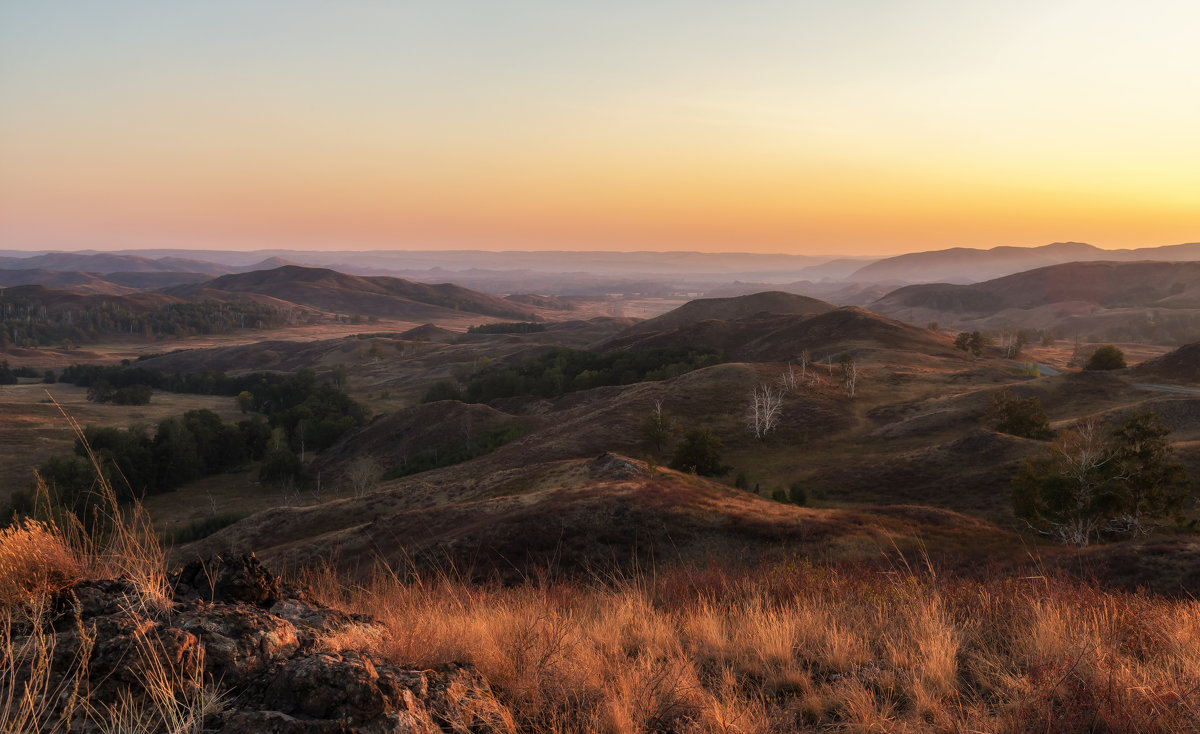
[803,365]
[362,475]
[766,408]
[850,373]
[787,378]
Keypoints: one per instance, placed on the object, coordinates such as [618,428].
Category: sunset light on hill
[861,127]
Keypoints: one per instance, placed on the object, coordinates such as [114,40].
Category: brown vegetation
[800,647]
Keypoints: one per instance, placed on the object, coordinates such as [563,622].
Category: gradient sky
[848,126]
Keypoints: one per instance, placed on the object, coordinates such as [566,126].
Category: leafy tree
[1156,485]
[245,401]
[280,464]
[1107,357]
[133,395]
[176,458]
[656,429]
[1019,416]
[971,341]
[700,452]
[338,375]
[1093,482]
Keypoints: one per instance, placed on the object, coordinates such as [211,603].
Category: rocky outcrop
[230,627]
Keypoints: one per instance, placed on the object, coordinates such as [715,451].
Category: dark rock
[230,628]
[231,578]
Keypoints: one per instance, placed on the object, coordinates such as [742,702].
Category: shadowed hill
[1110,300]
[1183,364]
[586,515]
[332,291]
[737,307]
[766,337]
[1105,284]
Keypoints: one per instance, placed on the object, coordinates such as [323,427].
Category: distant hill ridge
[736,307]
[333,291]
[107,262]
[775,326]
[969,265]
[1103,283]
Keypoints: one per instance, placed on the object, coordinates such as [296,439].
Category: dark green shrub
[700,452]
[1019,417]
[1107,357]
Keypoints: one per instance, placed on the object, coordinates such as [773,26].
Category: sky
[840,127]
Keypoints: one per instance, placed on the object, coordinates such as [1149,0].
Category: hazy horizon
[862,128]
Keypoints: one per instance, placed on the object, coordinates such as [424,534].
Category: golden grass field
[784,647]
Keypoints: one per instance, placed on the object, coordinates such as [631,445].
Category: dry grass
[35,562]
[799,647]
[43,691]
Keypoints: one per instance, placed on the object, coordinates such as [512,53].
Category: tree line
[313,414]
[136,463]
[27,321]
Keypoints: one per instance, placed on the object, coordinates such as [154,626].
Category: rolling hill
[776,327]
[969,265]
[1149,301]
[331,291]
[73,280]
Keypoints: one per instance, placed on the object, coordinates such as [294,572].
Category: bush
[1019,417]
[700,452]
[133,395]
[443,390]
[280,465]
[797,494]
[1106,357]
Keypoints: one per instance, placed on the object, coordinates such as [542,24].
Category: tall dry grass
[44,691]
[799,648]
